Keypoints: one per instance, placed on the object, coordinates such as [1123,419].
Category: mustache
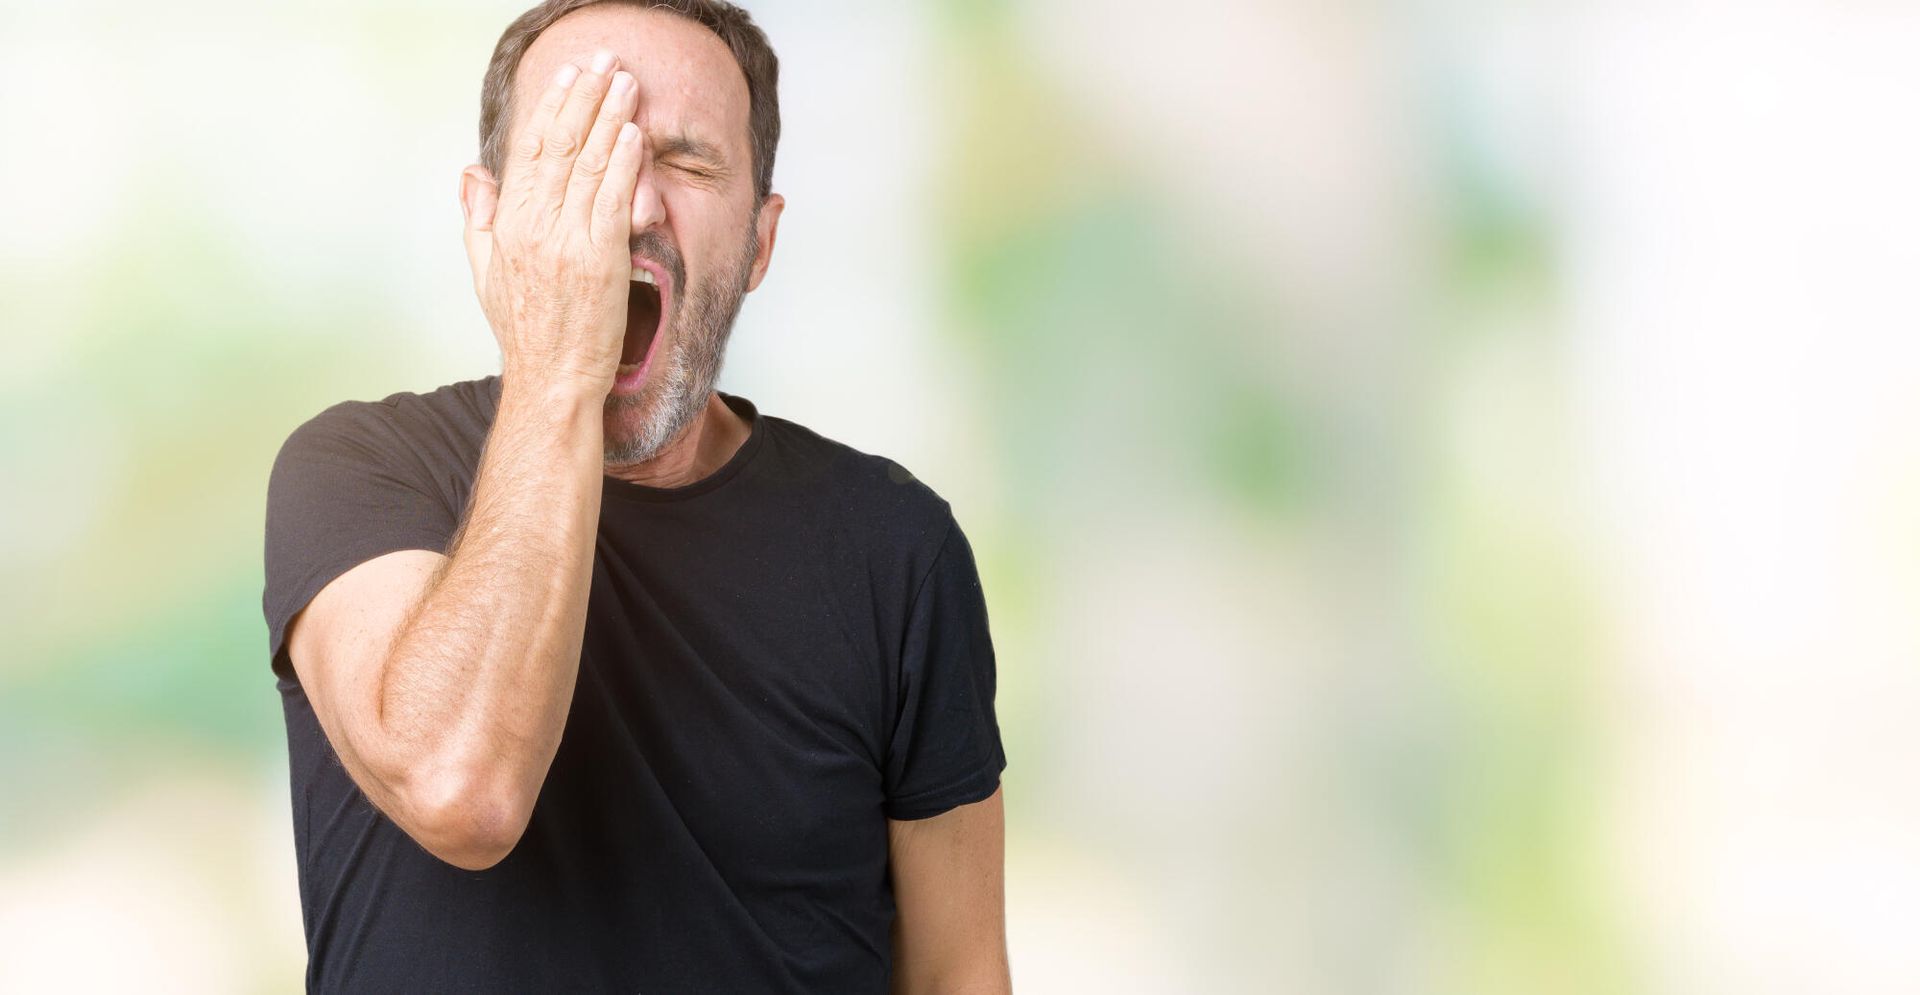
[652,245]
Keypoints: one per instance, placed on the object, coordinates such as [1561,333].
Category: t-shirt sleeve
[945,748]
[344,489]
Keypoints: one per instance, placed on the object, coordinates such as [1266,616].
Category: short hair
[731,23]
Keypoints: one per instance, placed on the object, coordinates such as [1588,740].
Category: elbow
[470,826]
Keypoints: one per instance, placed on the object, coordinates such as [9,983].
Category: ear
[766,227]
[479,198]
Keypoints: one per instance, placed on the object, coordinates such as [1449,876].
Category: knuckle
[560,144]
[591,162]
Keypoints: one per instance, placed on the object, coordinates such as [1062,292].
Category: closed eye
[699,159]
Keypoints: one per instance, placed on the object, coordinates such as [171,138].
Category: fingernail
[629,132]
[567,74]
[621,81]
[602,62]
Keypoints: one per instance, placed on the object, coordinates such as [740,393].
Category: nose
[649,209]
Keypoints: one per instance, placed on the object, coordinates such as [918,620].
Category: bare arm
[467,713]
[950,933]
[444,683]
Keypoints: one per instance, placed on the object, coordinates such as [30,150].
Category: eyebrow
[685,146]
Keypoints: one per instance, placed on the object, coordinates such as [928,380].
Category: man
[596,678]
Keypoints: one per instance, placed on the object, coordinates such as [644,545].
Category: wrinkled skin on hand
[548,245]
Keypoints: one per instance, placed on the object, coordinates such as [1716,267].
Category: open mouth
[644,314]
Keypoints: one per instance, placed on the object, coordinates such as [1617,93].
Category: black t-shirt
[777,659]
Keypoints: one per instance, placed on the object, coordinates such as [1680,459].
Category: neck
[706,445]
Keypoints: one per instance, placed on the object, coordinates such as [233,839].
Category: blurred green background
[1443,472]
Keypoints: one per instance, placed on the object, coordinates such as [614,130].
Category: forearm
[476,690]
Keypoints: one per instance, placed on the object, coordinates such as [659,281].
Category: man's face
[694,209]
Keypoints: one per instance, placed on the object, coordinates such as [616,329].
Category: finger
[591,165]
[613,204]
[568,133]
[526,149]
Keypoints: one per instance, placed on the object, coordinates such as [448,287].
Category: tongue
[643,320]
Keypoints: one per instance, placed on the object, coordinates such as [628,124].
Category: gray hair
[731,23]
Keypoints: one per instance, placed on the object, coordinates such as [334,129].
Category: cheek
[708,238]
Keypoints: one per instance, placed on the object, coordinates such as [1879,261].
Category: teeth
[642,276]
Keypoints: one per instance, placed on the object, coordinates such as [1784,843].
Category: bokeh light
[1443,473]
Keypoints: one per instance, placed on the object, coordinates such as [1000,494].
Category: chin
[636,427]
[625,429]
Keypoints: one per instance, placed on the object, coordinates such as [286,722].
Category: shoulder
[448,419]
[867,493]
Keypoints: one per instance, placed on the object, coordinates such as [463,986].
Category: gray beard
[683,378]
